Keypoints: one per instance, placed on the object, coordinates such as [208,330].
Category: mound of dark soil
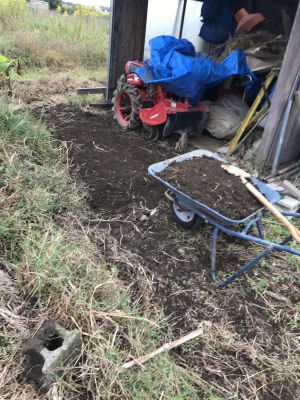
[204,180]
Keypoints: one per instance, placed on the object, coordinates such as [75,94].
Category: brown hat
[247,22]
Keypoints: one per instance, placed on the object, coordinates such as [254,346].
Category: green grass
[140,384]
[213,397]
[52,40]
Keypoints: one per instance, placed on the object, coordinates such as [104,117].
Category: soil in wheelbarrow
[205,181]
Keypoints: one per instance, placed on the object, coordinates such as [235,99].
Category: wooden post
[127,37]
[284,85]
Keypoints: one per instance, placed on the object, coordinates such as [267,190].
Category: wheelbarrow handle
[293,230]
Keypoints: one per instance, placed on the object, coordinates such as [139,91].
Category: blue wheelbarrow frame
[222,223]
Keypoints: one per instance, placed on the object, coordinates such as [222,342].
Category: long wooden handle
[294,231]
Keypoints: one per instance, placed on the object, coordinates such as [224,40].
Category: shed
[38,6]
[280,146]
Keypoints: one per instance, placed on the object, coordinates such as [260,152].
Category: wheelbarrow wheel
[127,103]
[186,219]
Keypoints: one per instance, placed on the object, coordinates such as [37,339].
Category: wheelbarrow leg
[239,272]
[259,228]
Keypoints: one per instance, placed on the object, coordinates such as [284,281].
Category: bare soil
[252,352]
[205,181]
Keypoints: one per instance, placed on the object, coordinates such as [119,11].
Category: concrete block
[49,351]
[289,202]
[284,209]
[291,189]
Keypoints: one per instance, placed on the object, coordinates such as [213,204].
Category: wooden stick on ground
[167,346]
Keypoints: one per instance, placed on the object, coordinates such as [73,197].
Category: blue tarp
[173,65]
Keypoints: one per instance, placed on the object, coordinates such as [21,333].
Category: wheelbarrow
[188,212]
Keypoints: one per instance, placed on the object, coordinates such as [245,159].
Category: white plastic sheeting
[226,116]
[164,18]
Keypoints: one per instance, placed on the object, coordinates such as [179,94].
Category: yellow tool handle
[251,113]
[294,231]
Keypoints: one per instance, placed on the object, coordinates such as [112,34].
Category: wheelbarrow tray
[196,206]
[222,223]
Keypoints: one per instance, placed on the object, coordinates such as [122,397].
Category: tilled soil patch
[250,353]
[205,181]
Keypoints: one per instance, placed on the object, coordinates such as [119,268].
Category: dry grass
[246,41]
[56,264]
[70,267]
[102,310]
[58,88]
[51,40]
[253,352]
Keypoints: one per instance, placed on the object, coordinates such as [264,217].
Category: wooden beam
[127,37]
[284,85]
[96,90]
[101,104]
